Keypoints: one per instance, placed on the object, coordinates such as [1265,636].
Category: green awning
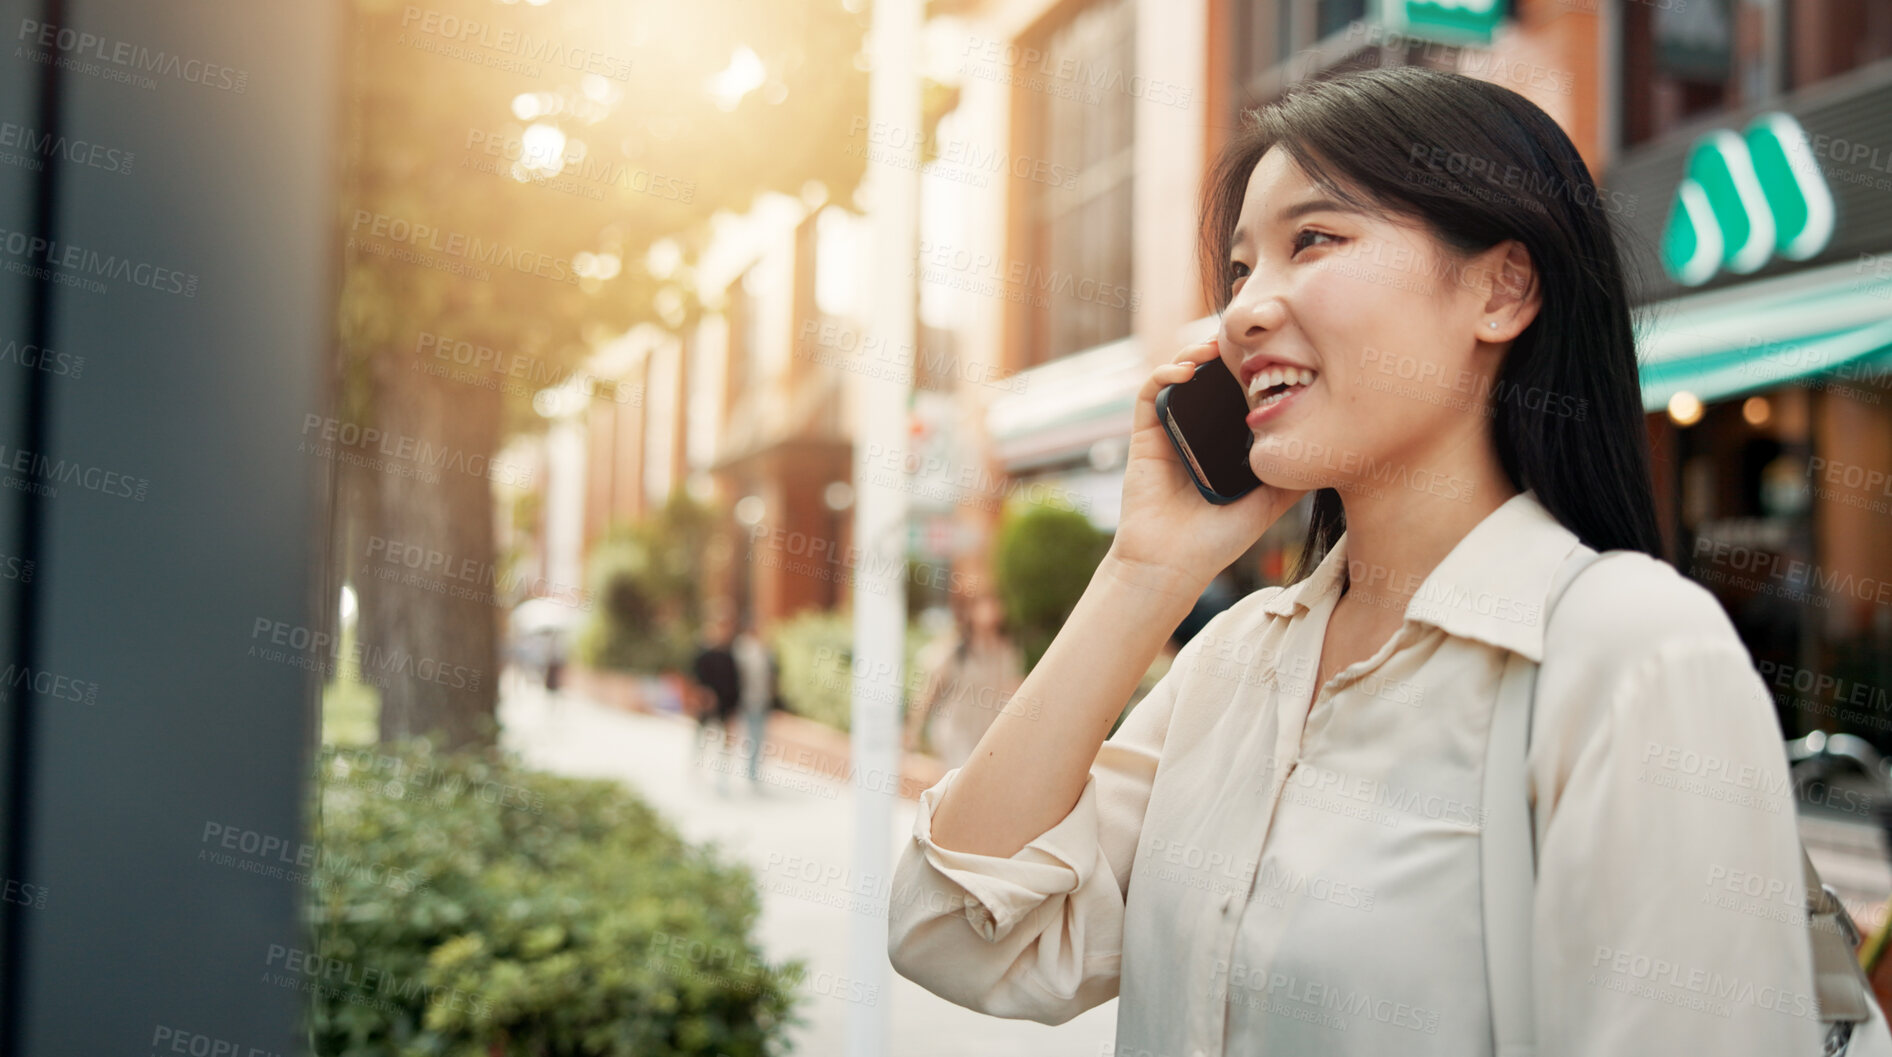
[1719,376]
[1760,335]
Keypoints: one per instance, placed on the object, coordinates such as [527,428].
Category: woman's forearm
[1033,762]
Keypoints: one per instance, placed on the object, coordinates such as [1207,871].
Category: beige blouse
[1305,865]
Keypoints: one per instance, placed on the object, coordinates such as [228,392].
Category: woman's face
[987,614]
[1389,325]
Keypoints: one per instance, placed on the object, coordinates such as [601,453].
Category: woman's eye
[1237,272]
[1302,236]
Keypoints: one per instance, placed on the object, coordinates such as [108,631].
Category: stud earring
[1493,326]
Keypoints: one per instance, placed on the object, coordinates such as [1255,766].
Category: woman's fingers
[1178,370]
[1201,352]
[1144,414]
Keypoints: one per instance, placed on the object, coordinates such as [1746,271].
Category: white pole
[880,512]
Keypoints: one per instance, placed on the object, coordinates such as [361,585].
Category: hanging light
[1685,409]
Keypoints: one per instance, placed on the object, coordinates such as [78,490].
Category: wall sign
[1451,21]
[1746,198]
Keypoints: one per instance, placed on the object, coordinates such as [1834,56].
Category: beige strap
[1507,865]
[1508,846]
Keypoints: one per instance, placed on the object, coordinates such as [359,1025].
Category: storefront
[1761,252]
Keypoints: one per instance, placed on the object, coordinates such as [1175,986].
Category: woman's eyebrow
[1312,205]
[1301,208]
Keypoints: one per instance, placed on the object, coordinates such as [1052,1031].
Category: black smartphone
[1205,418]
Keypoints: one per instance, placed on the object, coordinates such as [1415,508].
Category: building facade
[1758,147]
[1746,146]
[1060,227]
[1060,235]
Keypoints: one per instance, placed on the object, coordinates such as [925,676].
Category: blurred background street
[504,504]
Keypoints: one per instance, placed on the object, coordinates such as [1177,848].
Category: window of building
[1074,176]
[1682,61]
[1826,38]
[1332,16]
[1274,43]
[743,362]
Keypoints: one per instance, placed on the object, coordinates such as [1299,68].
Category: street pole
[880,512]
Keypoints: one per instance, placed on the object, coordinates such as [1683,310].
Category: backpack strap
[1508,874]
[1508,846]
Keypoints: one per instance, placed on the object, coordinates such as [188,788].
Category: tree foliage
[643,581]
[507,169]
[1046,557]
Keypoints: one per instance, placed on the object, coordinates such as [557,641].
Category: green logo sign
[1745,199]
[1451,20]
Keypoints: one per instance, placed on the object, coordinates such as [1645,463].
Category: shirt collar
[1491,587]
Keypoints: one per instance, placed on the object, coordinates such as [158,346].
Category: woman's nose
[1249,317]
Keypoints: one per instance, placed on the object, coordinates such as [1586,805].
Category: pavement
[796,833]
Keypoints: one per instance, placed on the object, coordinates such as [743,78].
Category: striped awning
[1722,344]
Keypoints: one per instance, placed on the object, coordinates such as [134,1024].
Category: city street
[794,835]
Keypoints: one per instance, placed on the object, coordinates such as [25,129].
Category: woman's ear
[1515,293]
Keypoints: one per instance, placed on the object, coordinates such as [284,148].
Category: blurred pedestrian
[554,662]
[717,689]
[967,686]
[755,679]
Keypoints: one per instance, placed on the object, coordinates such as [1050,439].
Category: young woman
[1278,852]
[971,683]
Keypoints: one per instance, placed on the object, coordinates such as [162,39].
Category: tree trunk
[431,597]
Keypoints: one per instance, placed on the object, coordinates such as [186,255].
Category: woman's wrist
[1161,582]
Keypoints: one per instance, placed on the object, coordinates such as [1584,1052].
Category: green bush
[814,654]
[465,906]
[1046,556]
[644,580]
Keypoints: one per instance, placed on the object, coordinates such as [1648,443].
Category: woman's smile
[1277,401]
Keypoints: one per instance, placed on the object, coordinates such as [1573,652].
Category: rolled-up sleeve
[1039,935]
[1669,901]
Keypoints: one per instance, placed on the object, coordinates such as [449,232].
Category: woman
[1277,853]
[970,684]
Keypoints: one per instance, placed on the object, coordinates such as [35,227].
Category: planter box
[804,745]
[653,694]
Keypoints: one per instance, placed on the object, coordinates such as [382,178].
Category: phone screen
[1205,419]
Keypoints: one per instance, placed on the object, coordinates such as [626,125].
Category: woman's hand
[1168,535]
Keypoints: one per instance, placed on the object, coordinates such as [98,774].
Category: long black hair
[1477,163]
